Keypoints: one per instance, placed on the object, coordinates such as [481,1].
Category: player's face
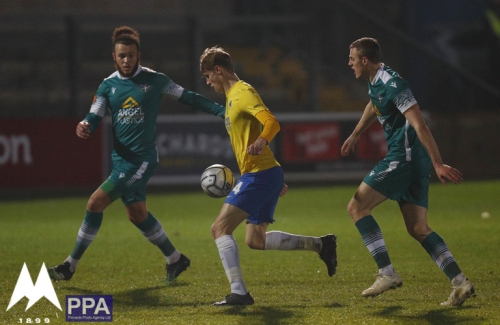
[126,59]
[214,80]
[358,64]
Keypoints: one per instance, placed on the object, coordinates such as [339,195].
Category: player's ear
[114,56]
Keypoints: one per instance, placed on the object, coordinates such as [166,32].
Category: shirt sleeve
[191,98]
[97,109]
[271,125]
[402,95]
[202,103]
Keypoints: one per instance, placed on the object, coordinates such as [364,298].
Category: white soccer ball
[217,181]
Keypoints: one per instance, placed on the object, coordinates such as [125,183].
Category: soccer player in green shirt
[403,175]
[133,95]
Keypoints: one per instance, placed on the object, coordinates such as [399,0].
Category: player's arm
[415,118]
[369,116]
[193,99]
[271,128]
[91,122]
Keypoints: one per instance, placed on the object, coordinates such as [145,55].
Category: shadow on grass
[442,316]
[259,315]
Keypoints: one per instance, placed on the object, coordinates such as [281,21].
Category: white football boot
[460,293]
[382,284]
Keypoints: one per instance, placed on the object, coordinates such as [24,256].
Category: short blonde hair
[213,56]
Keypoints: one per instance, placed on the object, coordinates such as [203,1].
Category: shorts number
[236,189]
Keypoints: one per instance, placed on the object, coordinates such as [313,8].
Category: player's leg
[222,229]
[97,203]
[152,229]
[326,246]
[416,223]
[359,208]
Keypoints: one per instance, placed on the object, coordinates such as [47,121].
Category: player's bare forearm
[366,120]
[443,172]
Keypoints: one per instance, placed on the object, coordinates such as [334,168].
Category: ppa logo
[42,288]
[89,308]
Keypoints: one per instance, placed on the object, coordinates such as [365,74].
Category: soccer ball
[217,181]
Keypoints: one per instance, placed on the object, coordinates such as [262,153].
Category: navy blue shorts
[257,194]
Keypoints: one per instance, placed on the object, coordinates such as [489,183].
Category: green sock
[373,240]
[437,249]
[86,233]
[153,231]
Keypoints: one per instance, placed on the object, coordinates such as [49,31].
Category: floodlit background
[55,54]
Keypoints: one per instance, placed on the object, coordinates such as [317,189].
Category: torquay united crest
[42,288]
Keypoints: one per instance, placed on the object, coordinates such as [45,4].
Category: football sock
[230,257]
[373,240]
[437,249]
[86,234]
[174,257]
[456,281]
[153,231]
[278,240]
[72,263]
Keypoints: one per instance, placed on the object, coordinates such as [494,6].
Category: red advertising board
[43,153]
[311,142]
[372,145]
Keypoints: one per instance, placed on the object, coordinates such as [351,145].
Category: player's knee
[255,243]
[135,218]
[353,209]
[418,231]
[217,230]
[95,205]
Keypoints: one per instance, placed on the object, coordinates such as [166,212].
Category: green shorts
[402,181]
[128,180]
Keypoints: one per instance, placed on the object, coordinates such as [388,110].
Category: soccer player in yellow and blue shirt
[251,127]
[133,95]
[403,175]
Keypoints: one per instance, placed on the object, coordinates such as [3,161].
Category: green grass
[289,287]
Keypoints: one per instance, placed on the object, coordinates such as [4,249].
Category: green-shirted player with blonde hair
[133,95]
[251,127]
[403,175]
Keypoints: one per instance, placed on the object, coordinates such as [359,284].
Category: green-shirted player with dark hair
[403,175]
[133,95]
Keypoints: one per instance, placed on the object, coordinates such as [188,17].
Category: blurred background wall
[55,53]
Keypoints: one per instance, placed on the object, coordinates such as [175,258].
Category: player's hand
[445,172]
[83,130]
[284,190]
[257,147]
[348,146]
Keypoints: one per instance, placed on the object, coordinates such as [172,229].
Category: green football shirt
[134,105]
[391,96]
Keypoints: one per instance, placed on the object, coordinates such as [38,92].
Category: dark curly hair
[126,35]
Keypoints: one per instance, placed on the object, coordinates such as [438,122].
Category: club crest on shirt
[145,88]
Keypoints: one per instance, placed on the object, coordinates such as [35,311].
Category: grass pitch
[289,287]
